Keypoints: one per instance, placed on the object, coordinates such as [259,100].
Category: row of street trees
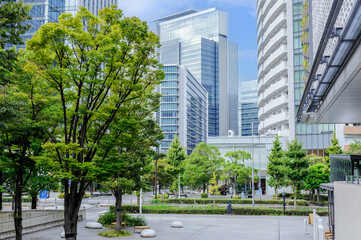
[293,167]
[76,106]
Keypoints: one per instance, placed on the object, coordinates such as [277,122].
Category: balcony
[352,130]
[271,30]
[262,14]
[276,119]
[273,105]
[272,45]
[274,89]
[276,72]
[273,59]
[271,15]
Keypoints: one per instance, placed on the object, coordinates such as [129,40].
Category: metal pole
[252,168]
[259,167]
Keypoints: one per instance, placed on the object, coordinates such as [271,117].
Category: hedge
[219,210]
[24,199]
[225,201]
[323,198]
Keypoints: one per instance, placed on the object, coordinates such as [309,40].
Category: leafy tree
[234,169]
[214,187]
[317,174]
[12,24]
[13,16]
[156,173]
[200,165]
[95,65]
[121,157]
[297,166]
[175,157]
[26,119]
[335,148]
[354,148]
[276,167]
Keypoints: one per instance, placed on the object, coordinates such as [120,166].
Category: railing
[352,179]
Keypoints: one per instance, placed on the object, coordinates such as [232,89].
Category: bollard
[284,203]
[229,207]
[306,223]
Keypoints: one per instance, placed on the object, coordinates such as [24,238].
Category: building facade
[93,6]
[183,108]
[248,109]
[281,70]
[199,40]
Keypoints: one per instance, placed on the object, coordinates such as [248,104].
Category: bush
[204,195]
[160,196]
[113,234]
[61,195]
[236,197]
[109,217]
[24,199]
[220,210]
[224,201]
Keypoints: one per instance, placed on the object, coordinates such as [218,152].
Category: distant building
[248,108]
[92,5]
[199,41]
[183,108]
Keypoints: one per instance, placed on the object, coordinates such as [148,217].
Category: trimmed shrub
[109,217]
[24,199]
[221,210]
[204,195]
[114,233]
[61,195]
[160,196]
[236,197]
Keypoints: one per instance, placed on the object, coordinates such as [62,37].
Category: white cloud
[247,53]
[236,3]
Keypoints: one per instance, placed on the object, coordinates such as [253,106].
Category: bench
[114,224]
[141,227]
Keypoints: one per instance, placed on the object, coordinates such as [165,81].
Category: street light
[252,167]
[259,167]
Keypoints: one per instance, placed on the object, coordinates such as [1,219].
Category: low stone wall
[33,220]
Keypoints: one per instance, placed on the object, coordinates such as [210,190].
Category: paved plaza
[199,227]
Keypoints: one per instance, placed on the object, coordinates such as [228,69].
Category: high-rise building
[248,109]
[42,11]
[92,5]
[199,41]
[281,73]
[183,108]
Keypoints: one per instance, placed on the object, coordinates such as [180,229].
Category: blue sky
[242,27]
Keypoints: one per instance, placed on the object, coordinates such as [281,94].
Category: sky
[242,24]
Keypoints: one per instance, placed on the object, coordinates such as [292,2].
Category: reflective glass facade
[248,108]
[198,40]
[183,110]
[315,137]
[93,6]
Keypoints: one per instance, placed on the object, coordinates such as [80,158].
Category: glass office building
[93,6]
[183,108]
[198,40]
[248,108]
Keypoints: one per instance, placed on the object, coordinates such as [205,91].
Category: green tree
[200,165]
[354,148]
[214,187]
[335,148]
[176,155]
[95,65]
[26,120]
[234,168]
[297,166]
[276,167]
[13,16]
[317,174]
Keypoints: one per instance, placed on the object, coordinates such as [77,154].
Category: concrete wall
[347,210]
[33,220]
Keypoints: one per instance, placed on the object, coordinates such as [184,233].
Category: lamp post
[259,167]
[252,168]
[141,192]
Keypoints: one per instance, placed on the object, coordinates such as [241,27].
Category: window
[169,106]
[297,43]
[296,26]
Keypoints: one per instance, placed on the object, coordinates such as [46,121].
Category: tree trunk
[295,198]
[234,188]
[138,200]
[204,188]
[72,202]
[318,194]
[33,201]
[118,210]
[155,180]
[276,189]
[18,220]
[1,193]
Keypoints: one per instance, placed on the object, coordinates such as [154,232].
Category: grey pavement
[200,227]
